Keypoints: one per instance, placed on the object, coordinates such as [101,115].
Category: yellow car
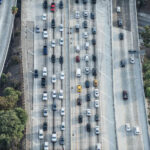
[95,83]
[79,88]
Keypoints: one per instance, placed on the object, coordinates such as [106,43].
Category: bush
[147,92]
[15,60]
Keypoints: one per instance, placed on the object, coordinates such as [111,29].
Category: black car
[61,59]
[93,1]
[88,97]
[45,4]
[53,23]
[87,84]
[45,126]
[53,59]
[36,74]
[77,1]
[121,36]
[93,30]
[61,140]
[94,58]
[88,127]
[43,82]
[84,1]
[122,63]
[92,15]
[80,118]
[45,50]
[85,24]
[94,72]
[96,117]
[54,107]
[79,101]
[77,27]
[93,41]
[61,5]
[119,21]
[125,95]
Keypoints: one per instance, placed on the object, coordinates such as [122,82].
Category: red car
[52,7]
[77,59]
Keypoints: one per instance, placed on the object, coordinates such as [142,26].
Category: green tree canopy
[146,36]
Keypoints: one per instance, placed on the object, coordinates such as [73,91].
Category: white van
[78,72]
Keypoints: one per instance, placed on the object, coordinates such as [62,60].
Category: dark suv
[53,23]
[125,95]
[45,50]
[122,63]
[121,36]
[43,82]
[87,84]
[88,97]
[88,127]
[85,24]
[53,58]
[119,21]
[79,101]
[45,126]
[80,118]
[45,4]
[36,74]
[93,1]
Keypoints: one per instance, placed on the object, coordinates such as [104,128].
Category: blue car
[0,1]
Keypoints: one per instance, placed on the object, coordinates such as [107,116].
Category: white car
[97,130]
[77,48]
[87,45]
[88,112]
[86,58]
[132,60]
[137,130]
[62,127]
[96,93]
[44,71]
[53,43]
[61,28]
[61,94]
[85,35]
[61,42]
[62,76]
[128,127]
[118,9]
[98,146]
[54,137]
[96,103]
[54,94]
[54,78]
[62,111]
[44,17]
[87,70]
[41,134]
[45,145]
[45,34]
[77,14]
[44,96]
[45,112]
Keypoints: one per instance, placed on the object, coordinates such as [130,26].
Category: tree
[3,79]
[146,36]
[147,75]
[14,10]
[147,92]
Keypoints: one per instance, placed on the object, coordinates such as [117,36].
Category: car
[77,1]
[88,127]
[98,146]
[86,57]
[93,30]
[45,112]
[61,28]
[41,134]
[137,130]
[52,7]
[54,95]
[77,14]
[125,95]
[79,101]
[53,58]
[85,35]
[121,36]
[45,126]
[128,127]
[61,5]
[60,96]
[80,118]
[61,140]
[61,60]
[93,41]
[62,76]
[45,5]
[87,45]
[44,71]
[53,23]
[131,59]
[119,22]
[93,1]
[62,127]
[94,58]
[95,83]
[92,15]
[1,2]
[45,50]
[118,9]
[77,27]
[78,72]
[77,59]
[87,84]
[44,17]
[43,82]
[36,74]
[85,24]
[53,43]
[85,13]
[54,137]
[54,107]
[53,78]
[79,88]
[61,42]
[96,117]
[97,130]
[96,103]
[62,111]
[94,72]
[96,93]
[88,97]
[77,48]
[88,112]
[37,29]
[44,97]
[122,63]
[45,34]
[45,145]
[87,70]
[84,1]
